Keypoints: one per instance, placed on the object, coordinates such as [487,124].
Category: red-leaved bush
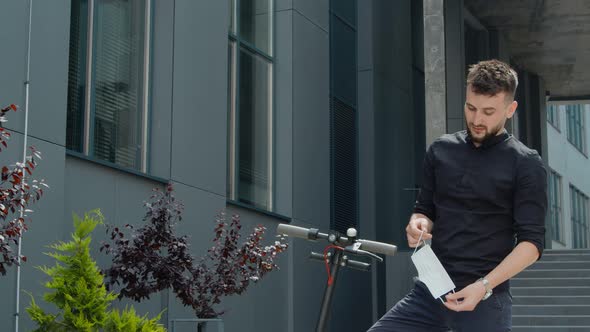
[153,258]
[16,193]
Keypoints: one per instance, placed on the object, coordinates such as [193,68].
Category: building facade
[569,185]
[227,100]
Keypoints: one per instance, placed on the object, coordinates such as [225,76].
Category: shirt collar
[490,141]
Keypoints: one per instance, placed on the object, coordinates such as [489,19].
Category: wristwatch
[486,284]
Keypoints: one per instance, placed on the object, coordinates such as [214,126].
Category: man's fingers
[416,227]
[455,296]
[457,306]
[415,232]
[451,306]
[458,303]
[422,224]
[461,301]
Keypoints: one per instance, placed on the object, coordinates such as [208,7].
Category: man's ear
[512,109]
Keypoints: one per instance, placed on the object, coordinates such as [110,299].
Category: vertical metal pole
[20,238]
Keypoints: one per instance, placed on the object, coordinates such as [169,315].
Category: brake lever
[355,249]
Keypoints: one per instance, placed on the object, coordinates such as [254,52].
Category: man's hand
[418,223]
[467,299]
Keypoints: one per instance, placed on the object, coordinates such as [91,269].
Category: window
[250,158]
[108,81]
[576,133]
[553,115]
[579,215]
[555,199]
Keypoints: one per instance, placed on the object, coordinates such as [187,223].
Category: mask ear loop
[420,238]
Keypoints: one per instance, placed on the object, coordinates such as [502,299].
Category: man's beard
[493,132]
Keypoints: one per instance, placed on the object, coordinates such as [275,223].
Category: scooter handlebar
[294,231]
[306,233]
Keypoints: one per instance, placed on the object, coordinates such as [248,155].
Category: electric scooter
[348,244]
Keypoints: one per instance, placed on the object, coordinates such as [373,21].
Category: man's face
[486,115]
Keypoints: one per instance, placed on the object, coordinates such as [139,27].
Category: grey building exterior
[567,130]
[405,92]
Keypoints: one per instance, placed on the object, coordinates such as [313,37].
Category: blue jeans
[420,312]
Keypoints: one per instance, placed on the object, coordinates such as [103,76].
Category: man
[483,204]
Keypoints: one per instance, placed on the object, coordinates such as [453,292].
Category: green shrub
[78,290]
[128,320]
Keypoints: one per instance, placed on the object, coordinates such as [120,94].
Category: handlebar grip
[362,266]
[294,231]
[317,256]
[378,247]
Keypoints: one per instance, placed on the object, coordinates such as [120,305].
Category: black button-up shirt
[482,201]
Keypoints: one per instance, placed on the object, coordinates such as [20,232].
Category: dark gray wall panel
[316,11]
[394,130]
[311,116]
[367,177]
[98,182]
[13,14]
[50,36]
[199,136]
[391,30]
[161,88]
[365,36]
[366,121]
[395,174]
[283,4]
[366,132]
[48,70]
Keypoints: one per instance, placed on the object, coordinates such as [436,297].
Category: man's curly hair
[492,77]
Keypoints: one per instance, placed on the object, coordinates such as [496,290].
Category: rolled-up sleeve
[530,201]
[424,203]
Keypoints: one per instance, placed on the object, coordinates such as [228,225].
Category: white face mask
[431,272]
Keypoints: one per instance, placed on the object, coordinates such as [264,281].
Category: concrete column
[434,69]
[454,64]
